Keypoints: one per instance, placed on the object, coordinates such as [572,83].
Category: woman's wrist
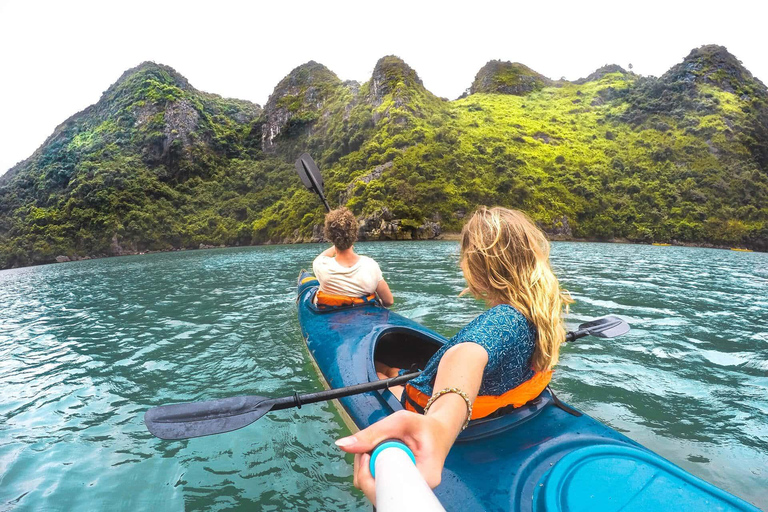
[449,414]
[445,391]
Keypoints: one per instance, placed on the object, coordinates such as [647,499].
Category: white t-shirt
[359,280]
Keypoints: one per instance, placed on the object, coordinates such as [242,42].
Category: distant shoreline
[451,236]
[456,236]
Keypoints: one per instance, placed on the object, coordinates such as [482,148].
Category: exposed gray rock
[353,86]
[381,225]
[378,226]
[181,120]
[560,229]
[390,71]
[318,234]
[62,259]
[297,101]
[428,231]
[115,249]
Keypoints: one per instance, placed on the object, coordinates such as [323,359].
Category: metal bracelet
[459,392]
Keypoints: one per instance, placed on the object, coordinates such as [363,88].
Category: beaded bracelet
[458,392]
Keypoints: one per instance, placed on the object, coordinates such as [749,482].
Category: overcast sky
[57,57]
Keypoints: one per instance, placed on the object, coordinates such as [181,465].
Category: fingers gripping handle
[399,485]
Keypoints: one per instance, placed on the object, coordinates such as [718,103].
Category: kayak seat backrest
[400,348]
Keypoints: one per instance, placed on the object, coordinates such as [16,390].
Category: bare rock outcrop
[297,102]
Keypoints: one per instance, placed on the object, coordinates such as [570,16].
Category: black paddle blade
[182,421]
[309,173]
[605,327]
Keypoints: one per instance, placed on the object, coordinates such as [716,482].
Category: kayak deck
[537,458]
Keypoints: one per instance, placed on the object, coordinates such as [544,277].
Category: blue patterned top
[507,336]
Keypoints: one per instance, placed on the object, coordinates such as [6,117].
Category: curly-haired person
[341,271]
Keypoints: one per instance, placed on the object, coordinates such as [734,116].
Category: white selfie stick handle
[399,484]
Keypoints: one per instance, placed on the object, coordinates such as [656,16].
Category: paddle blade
[605,327]
[309,173]
[183,421]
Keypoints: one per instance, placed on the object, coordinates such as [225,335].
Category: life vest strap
[409,403]
[561,405]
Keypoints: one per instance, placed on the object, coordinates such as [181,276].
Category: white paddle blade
[399,485]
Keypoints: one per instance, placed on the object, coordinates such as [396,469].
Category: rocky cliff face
[714,65]
[120,161]
[382,225]
[392,76]
[297,102]
[695,85]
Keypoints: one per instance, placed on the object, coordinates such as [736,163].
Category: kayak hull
[506,463]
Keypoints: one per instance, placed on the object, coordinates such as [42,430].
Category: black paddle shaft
[297,400]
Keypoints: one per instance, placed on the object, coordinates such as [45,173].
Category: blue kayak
[540,457]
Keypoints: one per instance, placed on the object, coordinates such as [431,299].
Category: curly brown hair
[341,228]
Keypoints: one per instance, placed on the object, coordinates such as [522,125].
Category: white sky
[57,57]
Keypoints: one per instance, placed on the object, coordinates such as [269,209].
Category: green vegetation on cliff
[157,165]
[507,78]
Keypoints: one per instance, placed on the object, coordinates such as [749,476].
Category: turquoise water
[87,347]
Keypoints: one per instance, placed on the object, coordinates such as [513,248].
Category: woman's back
[507,336]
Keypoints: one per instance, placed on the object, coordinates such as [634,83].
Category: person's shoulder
[501,316]
[506,311]
[322,263]
[368,261]
[496,327]
[321,258]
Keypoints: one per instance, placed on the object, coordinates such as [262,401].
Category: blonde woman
[503,358]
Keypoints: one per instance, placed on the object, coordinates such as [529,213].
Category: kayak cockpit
[405,348]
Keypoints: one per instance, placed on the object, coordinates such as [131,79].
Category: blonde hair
[505,259]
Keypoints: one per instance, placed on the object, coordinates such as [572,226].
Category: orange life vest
[487,405]
[329,299]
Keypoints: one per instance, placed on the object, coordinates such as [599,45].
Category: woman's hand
[428,437]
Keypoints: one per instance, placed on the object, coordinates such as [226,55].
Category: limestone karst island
[158,165]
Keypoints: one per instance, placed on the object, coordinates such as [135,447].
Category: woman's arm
[430,437]
[384,293]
